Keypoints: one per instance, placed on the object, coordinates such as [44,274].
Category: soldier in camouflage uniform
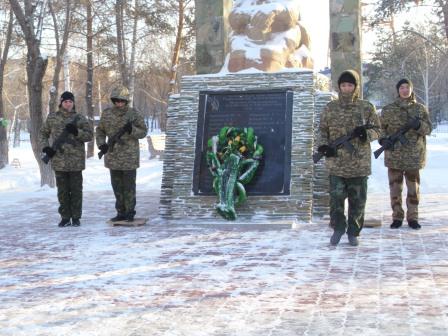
[348,171]
[70,160]
[405,160]
[124,159]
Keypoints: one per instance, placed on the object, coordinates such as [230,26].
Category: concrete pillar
[345,37]
[212,34]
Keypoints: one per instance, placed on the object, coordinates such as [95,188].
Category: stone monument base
[185,145]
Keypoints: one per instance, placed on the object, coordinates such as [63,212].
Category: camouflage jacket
[72,155]
[393,117]
[339,118]
[126,152]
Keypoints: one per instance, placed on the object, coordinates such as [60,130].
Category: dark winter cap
[67,96]
[404,81]
[347,77]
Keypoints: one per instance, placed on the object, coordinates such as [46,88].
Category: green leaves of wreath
[233,157]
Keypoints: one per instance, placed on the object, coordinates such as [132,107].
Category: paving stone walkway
[177,280]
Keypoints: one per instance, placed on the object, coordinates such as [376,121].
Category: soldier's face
[119,103]
[347,87]
[67,105]
[405,90]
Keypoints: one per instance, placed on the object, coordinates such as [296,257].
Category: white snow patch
[251,7]
[18,184]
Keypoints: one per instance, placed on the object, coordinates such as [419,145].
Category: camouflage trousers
[355,190]
[123,184]
[69,186]
[412,177]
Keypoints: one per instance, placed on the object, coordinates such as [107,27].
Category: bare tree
[4,159]
[126,63]
[89,83]
[121,42]
[133,48]
[177,44]
[387,8]
[443,9]
[35,68]
[60,50]
[420,57]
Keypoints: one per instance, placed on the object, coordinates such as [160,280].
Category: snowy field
[18,184]
[97,280]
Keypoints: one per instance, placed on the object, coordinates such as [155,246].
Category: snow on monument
[282,107]
[267,35]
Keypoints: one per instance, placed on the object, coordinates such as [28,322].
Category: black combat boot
[118,217]
[413,224]
[353,240]
[64,222]
[130,216]
[336,237]
[76,222]
[396,224]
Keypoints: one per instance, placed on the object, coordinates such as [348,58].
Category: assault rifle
[397,136]
[343,141]
[63,138]
[111,141]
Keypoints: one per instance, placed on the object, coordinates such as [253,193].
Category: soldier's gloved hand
[72,129]
[361,133]
[386,143]
[415,124]
[327,151]
[104,148]
[49,151]
[128,127]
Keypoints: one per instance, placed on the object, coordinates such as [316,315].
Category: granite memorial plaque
[269,113]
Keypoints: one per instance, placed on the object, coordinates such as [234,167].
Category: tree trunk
[35,68]
[177,47]
[175,59]
[16,131]
[444,6]
[121,49]
[89,84]
[133,51]
[57,68]
[4,158]
[60,51]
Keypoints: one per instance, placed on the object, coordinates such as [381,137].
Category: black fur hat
[404,81]
[67,96]
[347,77]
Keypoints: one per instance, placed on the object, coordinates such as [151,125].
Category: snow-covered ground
[18,184]
[98,280]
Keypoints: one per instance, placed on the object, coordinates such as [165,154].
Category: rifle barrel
[45,158]
[316,157]
[378,152]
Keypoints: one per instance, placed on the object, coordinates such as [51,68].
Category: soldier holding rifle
[122,125]
[404,158]
[68,131]
[348,119]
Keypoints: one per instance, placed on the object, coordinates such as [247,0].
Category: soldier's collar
[405,102]
[123,110]
[347,98]
[66,113]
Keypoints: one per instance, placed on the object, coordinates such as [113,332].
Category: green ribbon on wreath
[233,157]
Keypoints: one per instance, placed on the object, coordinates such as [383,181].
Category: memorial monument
[267,35]
[252,90]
